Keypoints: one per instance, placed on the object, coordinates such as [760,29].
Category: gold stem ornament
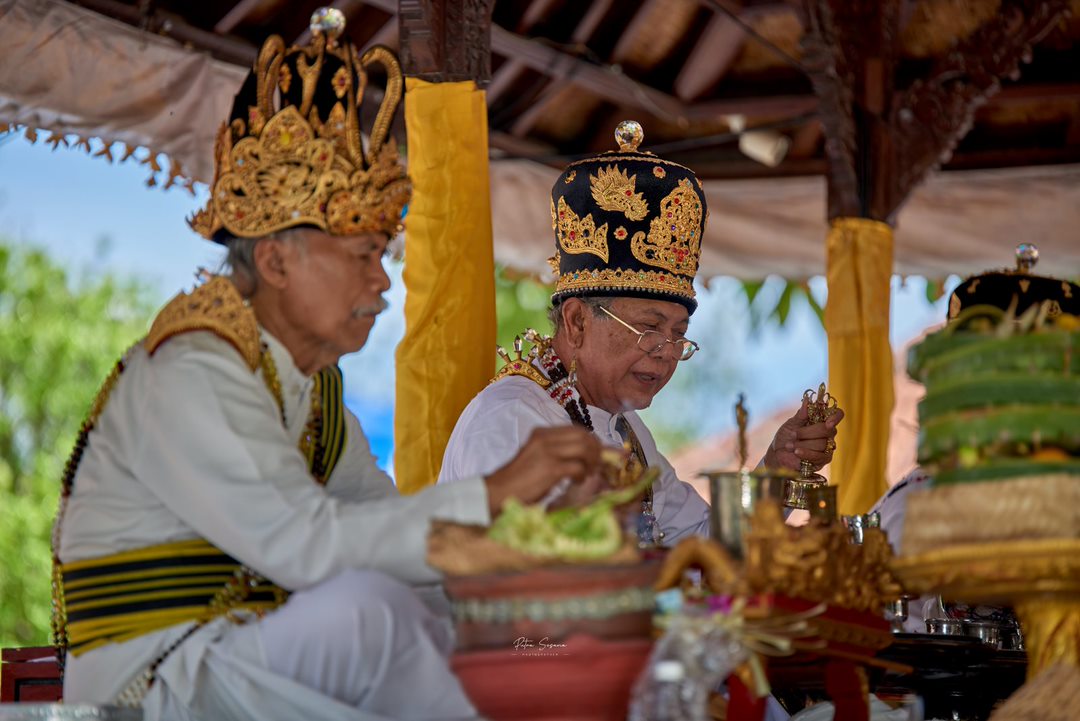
[741,417]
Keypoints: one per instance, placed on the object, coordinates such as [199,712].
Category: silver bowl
[986,631]
[944,627]
[734,496]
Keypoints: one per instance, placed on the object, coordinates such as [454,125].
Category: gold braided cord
[610,279]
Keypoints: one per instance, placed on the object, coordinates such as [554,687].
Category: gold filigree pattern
[580,235]
[613,190]
[993,572]
[553,262]
[341,82]
[618,278]
[288,168]
[673,242]
[285,79]
[215,306]
[1051,631]
[818,562]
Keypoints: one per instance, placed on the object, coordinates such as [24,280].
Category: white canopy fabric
[67,69]
[959,222]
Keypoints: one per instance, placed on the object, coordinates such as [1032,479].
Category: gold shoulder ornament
[522,365]
[216,306]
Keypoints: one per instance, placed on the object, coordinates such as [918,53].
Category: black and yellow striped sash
[124,595]
[115,598]
[328,407]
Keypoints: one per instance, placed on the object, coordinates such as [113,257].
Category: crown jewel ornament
[629,134]
[328,21]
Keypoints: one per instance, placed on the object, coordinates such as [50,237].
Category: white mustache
[374,309]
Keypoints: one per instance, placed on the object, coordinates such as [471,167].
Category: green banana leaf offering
[573,534]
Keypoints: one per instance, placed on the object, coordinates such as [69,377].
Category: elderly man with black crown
[226,547]
[628,230]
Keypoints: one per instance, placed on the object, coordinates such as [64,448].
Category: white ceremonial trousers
[190,445]
[500,419]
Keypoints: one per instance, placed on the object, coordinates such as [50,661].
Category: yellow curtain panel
[860,255]
[447,355]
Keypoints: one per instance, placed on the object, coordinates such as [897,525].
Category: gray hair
[239,261]
[555,311]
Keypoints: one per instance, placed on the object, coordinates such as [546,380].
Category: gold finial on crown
[629,134]
[1027,255]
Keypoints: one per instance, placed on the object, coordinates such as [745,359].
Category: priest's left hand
[795,442]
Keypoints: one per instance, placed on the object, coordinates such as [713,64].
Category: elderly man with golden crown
[226,546]
[628,228]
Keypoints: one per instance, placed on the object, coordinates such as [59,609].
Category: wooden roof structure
[562,73]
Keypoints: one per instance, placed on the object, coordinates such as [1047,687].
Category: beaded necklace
[563,389]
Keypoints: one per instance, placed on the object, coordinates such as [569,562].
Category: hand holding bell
[816,441]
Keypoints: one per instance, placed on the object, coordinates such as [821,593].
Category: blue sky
[95,216]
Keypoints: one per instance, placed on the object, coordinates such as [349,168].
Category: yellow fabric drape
[860,255]
[447,356]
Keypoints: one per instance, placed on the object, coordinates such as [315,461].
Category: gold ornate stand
[1039,578]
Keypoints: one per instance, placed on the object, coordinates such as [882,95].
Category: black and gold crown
[1000,288]
[303,163]
[627,223]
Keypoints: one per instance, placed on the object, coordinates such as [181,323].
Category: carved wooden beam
[582,34]
[240,12]
[937,111]
[851,51]
[170,25]
[446,40]
[879,143]
[711,57]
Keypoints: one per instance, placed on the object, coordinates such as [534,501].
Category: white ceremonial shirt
[191,445]
[500,419]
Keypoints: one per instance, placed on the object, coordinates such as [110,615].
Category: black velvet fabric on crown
[999,289]
[627,223]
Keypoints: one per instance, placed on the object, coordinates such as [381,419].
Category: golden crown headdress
[305,163]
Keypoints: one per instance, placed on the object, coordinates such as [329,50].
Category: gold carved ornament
[613,190]
[674,239]
[215,306]
[287,169]
[579,235]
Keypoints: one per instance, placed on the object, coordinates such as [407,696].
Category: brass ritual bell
[820,407]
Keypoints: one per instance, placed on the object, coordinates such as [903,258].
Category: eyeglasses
[651,342]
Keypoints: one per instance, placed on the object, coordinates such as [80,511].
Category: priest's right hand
[550,455]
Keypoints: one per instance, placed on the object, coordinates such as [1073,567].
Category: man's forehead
[360,241]
[660,309]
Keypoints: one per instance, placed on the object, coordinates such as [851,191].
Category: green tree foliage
[521,302]
[59,336]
